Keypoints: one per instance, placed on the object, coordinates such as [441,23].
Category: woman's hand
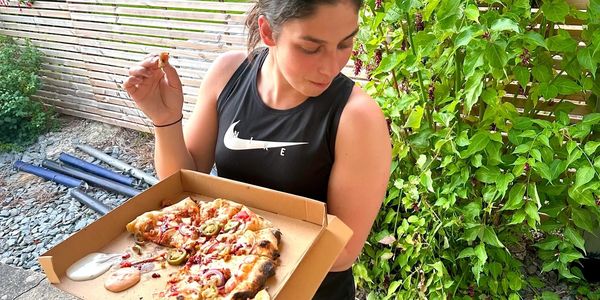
[156,91]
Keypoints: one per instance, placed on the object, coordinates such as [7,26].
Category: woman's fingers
[140,71]
[131,85]
[171,77]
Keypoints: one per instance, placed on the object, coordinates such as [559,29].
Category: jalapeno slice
[139,239]
[177,257]
[231,226]
[210,228]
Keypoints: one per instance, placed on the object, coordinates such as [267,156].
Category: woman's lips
[320,85]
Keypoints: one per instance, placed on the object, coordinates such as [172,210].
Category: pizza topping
[210,228]
[155,275]
[138,238]
[177,256]
[242,215]
[214,276]
[231,226]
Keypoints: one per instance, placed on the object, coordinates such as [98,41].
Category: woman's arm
[360,173]
[201,133]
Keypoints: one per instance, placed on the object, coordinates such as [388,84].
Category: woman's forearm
[171,153]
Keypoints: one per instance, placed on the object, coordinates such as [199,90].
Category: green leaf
[556,168]
[583,197]
[549,91]
[487,174]
[566,86]
[591,119]
[462,139]
[490,237]
[503,181]
[394,285]
[584,57]
[534,38]
[583,175]
[542,73]
[547,295]
[505,24]
[532,212]
[523,148]
[549,243]
[481,253]
[476,160]
[515,197]
[426,180]
[517,218]
[555,10]
[544,171]
[562,42]
[532,192]
[522,75]
[583,219]
[415,117]
[575,238]
[429,9]
[448,13]
[478,142]
[569,255]
[590,147]
[467,252]
[472,13]
[391,61]
[466,35]
[473,89]
[514,281]
[496,55]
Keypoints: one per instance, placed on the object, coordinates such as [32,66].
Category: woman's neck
[274,89]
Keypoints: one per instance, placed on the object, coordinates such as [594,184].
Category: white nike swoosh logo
[232,142]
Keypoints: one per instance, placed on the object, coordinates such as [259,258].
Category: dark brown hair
[278,12]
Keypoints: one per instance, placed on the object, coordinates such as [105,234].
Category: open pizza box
[311,239]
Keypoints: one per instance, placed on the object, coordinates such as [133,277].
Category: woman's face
[311,52]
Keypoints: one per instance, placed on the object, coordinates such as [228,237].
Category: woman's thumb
[171,76]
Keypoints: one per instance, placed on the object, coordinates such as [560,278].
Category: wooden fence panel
[90,44]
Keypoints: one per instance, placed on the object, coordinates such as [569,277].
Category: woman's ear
[265,30]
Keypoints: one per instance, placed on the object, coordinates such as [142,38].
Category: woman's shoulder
[229,61]
[361,108]
[222,69]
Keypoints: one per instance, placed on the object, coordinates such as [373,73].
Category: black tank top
[288,150]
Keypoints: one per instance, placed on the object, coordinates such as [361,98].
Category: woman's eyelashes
[316,50]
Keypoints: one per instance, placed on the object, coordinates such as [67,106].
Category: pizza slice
[240,277]
[171,226]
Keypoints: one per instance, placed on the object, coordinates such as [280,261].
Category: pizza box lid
[311,239]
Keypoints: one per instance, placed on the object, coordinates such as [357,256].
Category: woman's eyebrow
[319,41]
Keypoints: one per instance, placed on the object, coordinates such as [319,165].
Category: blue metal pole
[48,174]
[95,169]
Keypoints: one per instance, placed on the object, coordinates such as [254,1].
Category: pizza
[163,57]
[224,250]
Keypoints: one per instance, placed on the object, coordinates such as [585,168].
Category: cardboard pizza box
[311,239]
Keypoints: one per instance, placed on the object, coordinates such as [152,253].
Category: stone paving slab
[21,284]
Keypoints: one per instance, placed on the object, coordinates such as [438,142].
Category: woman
[283,117]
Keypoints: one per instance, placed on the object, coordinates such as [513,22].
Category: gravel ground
[36,214]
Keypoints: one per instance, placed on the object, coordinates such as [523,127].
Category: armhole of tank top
[349,84]
[231,83]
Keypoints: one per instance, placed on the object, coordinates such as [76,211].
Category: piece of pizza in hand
[163,58]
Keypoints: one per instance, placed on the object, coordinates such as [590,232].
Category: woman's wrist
[167,124]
